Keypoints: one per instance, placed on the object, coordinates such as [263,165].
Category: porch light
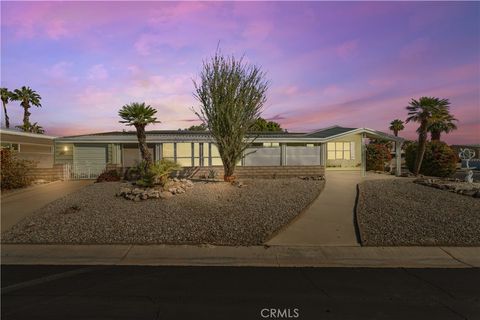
[65,148]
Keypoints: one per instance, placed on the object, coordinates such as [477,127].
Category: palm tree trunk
[422,144]
[142,142]
[395,133]
[7,120]
[26,115]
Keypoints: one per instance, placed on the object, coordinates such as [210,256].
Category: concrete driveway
[22,203]
[329,221]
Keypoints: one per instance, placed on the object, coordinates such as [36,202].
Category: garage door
[89,161]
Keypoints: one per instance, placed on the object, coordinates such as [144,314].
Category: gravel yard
[214,213]
[399,212]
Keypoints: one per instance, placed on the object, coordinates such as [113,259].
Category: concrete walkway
[169,255]
[17,205]
[329,220]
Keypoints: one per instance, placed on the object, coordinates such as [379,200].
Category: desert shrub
[439,160]
[157,173]
[14,171]
[212,174]
[136,172]
[107,176]
[162,170]
[378,153]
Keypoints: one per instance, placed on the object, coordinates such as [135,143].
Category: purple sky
[352,64]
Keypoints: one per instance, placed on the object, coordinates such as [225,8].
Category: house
[271,153]
[29,146]
[38,148]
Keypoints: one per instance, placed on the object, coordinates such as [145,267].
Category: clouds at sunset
[353,64]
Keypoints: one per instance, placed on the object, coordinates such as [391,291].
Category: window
[11,146]
[184,154]
[216,160]
[271,144]
[167,151]
[340,150]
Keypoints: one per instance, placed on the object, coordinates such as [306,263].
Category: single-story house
[29,146]
[332,148]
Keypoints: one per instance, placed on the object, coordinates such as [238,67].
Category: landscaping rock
[401,213]
[450,184]
[136,193]
[166,195]
[209,213]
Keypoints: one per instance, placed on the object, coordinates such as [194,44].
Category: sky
[354,64]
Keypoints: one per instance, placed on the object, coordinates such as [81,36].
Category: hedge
[439,159]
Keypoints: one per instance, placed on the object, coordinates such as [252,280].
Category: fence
[76,172]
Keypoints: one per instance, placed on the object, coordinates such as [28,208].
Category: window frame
[344,147]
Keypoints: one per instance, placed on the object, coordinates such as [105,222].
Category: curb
[256,256]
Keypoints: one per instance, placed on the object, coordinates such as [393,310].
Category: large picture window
[340,150]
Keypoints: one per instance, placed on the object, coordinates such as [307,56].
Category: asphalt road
[100,292]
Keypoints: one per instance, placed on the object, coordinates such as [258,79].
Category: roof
[321,135]
[25,134]
[328,132]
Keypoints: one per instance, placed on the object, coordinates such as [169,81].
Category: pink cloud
[347,49]
[56,29]
[97,72]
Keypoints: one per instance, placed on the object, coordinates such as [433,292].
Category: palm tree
[139,115]
[396,126]
[27,97]
[443,123]
[33,128]
[424,111]
[6,96]
[36,128]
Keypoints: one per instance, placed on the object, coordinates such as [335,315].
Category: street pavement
[134,292]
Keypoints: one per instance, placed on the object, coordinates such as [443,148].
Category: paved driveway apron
[23,203]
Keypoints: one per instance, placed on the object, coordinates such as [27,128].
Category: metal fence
[84,171]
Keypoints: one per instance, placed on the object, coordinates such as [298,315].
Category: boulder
[137,191]
[470,193]
[166,195]
[125,190]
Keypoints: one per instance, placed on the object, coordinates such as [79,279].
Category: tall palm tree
[443,123]
[424,111]
[139,115]
[27,98]
[396,126]
[6,96]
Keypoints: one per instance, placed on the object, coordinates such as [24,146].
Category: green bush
[14,171]
[162,169]
[157,173]
[439,159]
[378,154]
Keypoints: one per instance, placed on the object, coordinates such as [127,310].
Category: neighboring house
[30,146]
[334,148]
